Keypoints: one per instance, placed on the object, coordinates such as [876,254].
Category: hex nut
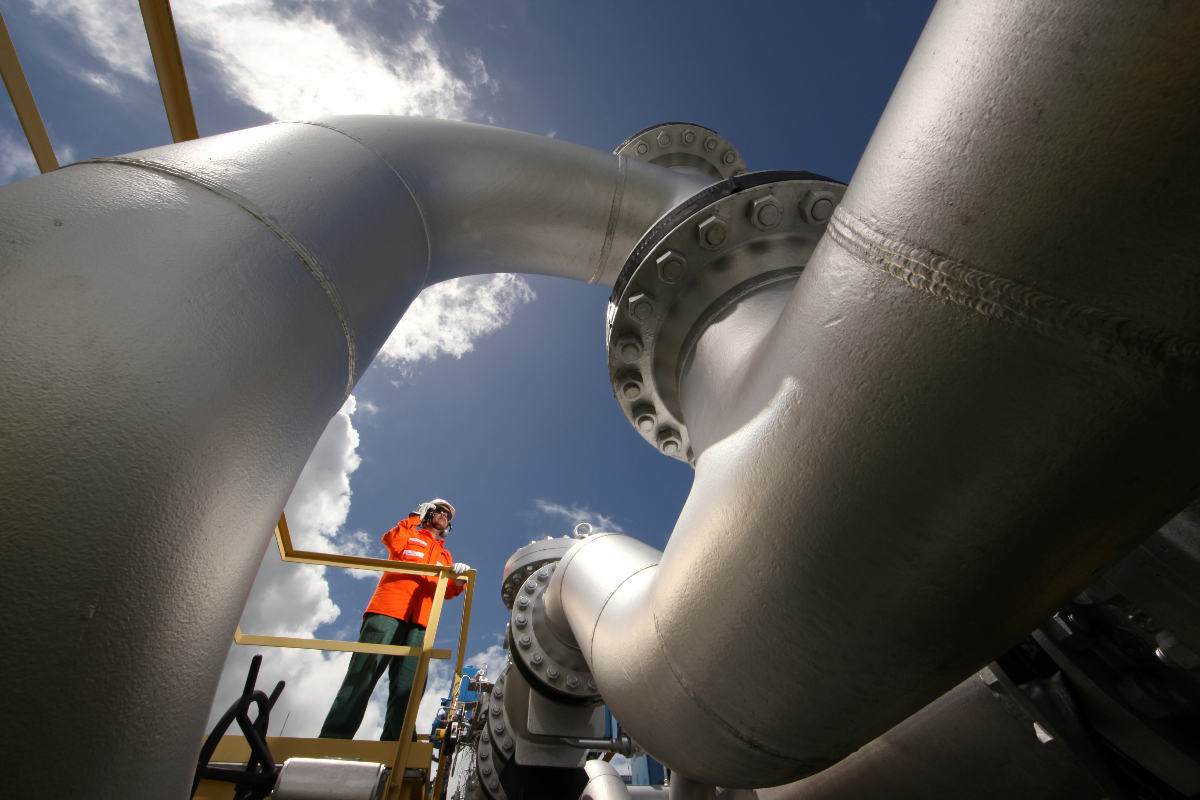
[816,207]
[536,658]
[688,137]
[631,386]
[629,348]
[644,418]
[552,672]
[711,143]
[766,212]
[713,233]
[671,266]
[669,441]
[664,139]
[642,148]
[730,157]
[1175,653]
[641,306]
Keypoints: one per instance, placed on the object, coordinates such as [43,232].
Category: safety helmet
[436,502]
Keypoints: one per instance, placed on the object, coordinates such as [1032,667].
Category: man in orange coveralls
[396,615]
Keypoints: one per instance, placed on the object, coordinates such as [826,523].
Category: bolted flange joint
[725,243]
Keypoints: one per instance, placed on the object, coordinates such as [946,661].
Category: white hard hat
[436,502]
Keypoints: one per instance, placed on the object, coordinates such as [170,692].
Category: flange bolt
[668,441]
[670,266]
[645,418]
[572,681]
[730,157]
[630,348]
[711,143]
[524,640]
[551,672]
[765,212]
[713,233]
[641,306]
[664,139]
[521,620]
[642,148]
[631,388]
[688,137]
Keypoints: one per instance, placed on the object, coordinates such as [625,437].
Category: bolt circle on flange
[730,239]
[552,667]
[686,147]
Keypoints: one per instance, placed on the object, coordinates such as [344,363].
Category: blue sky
[496,394]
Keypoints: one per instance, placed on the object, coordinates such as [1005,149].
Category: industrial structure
[942,421]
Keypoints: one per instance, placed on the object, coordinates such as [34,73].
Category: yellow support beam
[333,644]
[168,63]
[22,100]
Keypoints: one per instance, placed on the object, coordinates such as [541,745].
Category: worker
[397,615]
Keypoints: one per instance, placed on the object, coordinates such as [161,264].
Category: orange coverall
[410,597]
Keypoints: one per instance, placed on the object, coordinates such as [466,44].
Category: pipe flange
[554,668]
[528,560]
[726,241]
[495,747]
[684,145]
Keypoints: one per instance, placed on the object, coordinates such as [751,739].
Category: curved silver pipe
[179,325]
[604,782]
[980,393]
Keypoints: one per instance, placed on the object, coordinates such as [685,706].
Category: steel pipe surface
[604,782]
[179,325]
[979,395]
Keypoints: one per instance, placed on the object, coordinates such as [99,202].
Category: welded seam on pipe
[729,728]
[1117,337]
[596,624]
[407,186]
[614,214]
[270,223]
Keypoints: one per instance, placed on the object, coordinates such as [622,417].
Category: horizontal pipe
[979,394]
[179,325]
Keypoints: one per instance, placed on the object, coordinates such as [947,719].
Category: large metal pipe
[178,327]
[979,395]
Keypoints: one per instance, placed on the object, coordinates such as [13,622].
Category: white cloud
[577,514]
[288,61]
[16,159]
[293,599]
[114,32]
[425,9]
[447,318]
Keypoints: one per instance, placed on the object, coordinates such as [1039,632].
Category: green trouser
[364,672]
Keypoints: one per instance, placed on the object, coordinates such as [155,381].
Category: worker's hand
[460,568]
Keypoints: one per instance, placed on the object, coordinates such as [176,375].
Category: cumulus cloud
[447,318]
[573,515]
[289,60]
[293,599]
[16,159]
